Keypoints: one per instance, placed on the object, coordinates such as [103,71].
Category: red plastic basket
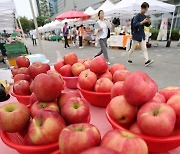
[71,82]
[56,152]
[16,141]
[155,144]
[96,98]
[23,99]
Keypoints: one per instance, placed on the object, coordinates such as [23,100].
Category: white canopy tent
[90,11]
[133,6]
[106,6]
[7,16]
[130,7]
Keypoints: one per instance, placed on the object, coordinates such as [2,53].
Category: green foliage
[26,24]
[174,34]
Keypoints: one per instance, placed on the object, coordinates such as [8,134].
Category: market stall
[84,97]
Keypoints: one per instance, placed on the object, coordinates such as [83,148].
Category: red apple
[87,80]
[37,68]
[65,96]
[87,64]
[22,61]
[103,85]
[99,65]
[23,70]
[177,121]
[47,66]
[38,107]
[70,58]
[156,119]
[31,86]
[45,128]
[135,128]
[174,102]
[58,65]
[121,111]
[117,89]
[116,67]
[47,88]
[57,77]
[75,110]
[169,91]
[66,70]
[33,99]
[159,98]
[99,150]
[78,137]
[124,142]
[81,61]
[13,117]
[22,77]
[120,75]
[107,74]
[77,68]
[14,70]
[22,87]
[139,88]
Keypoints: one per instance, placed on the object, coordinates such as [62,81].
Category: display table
[118,40]
[98,118]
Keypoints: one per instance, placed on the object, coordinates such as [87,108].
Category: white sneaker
[108,63]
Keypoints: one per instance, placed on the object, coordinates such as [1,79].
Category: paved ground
[165,70]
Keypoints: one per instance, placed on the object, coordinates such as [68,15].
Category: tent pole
[169,39]
[36,26]
[19,22]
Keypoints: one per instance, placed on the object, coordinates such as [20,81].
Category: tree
[41,21]
[26,24]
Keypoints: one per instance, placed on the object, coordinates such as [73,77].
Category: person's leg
[102,43]
[104,49]
[80,41]
[133,47]
[144,49]
[65,41]
[35,41]
[145,53]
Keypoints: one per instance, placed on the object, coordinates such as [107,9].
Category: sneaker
[65,48]
[149,62]
[80,47]
[130,61]
[108,63]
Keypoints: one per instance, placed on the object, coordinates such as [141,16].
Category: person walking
[65,34]
[138,35]
[102,34]
[74,35]
[80,34]
[34,39]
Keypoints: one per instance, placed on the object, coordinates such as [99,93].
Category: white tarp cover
[106,6]
[133,6]
[7,16]
[90,11]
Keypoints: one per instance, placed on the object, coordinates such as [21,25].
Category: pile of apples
[24,73]
[70,66]
[138,106]
[51,109]
[100,77]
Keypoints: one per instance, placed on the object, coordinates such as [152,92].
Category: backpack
[132,27]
